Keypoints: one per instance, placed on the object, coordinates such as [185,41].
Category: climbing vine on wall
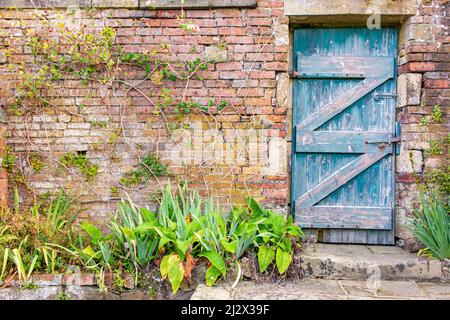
[60,55]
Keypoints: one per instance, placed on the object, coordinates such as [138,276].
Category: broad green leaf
[229,246]
[216,260]
[183,246]
[283,260]
[265,257]
[286,245]
[255,207]
[93,232]
[163,241]
[212,273]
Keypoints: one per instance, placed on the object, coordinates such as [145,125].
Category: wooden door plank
[344,67]
[328,111]
[342,141]
[379,237]
[345,217]
[337,179]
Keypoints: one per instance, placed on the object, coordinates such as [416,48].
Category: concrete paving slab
[316,289]
[318,286]
[435,289]
[400,289]
[204,292]
[358,288]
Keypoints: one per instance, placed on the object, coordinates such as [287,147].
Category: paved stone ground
[323,289]
[348,272]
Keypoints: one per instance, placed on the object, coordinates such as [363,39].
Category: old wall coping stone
[349,7]
[130,4]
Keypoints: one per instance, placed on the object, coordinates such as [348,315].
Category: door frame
[318,233]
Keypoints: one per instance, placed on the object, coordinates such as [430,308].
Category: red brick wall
[425,62]
[256,49]
[253,79]
[3,172]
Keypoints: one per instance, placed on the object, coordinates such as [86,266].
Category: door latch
[377,96]
[390,140]
[383,143]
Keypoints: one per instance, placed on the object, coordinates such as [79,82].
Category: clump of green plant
[8,159]
[435,148]
[435,116]
[431,225]
[184,231]
[114,191]
[149,167]
[99,124]
[80,161]
[28,236]
[64,296]
[36,163]
[439,180]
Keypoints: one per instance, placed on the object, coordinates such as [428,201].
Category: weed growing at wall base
[183,232]
[431,226]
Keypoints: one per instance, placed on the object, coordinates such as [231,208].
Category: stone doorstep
[360,262]
[58,279]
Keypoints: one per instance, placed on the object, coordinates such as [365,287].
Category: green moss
[80,161]
[439,179]
[36,163]
[437,115]
[435,148]
[115,191]
[149,167]
[99,124]
[8,159]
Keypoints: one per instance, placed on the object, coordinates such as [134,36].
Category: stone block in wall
[401,223]
[199,4]
[216,54]
[345,7]
[409,161]
[3,58]
[415,32]
[282,90]
[408,89]
[281,34]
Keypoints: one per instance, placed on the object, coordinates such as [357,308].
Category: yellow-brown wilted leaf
[188,266]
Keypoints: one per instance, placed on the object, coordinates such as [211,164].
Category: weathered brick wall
[424,65]
[3,172]
[253,131]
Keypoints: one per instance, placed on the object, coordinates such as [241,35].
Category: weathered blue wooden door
[344,133]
